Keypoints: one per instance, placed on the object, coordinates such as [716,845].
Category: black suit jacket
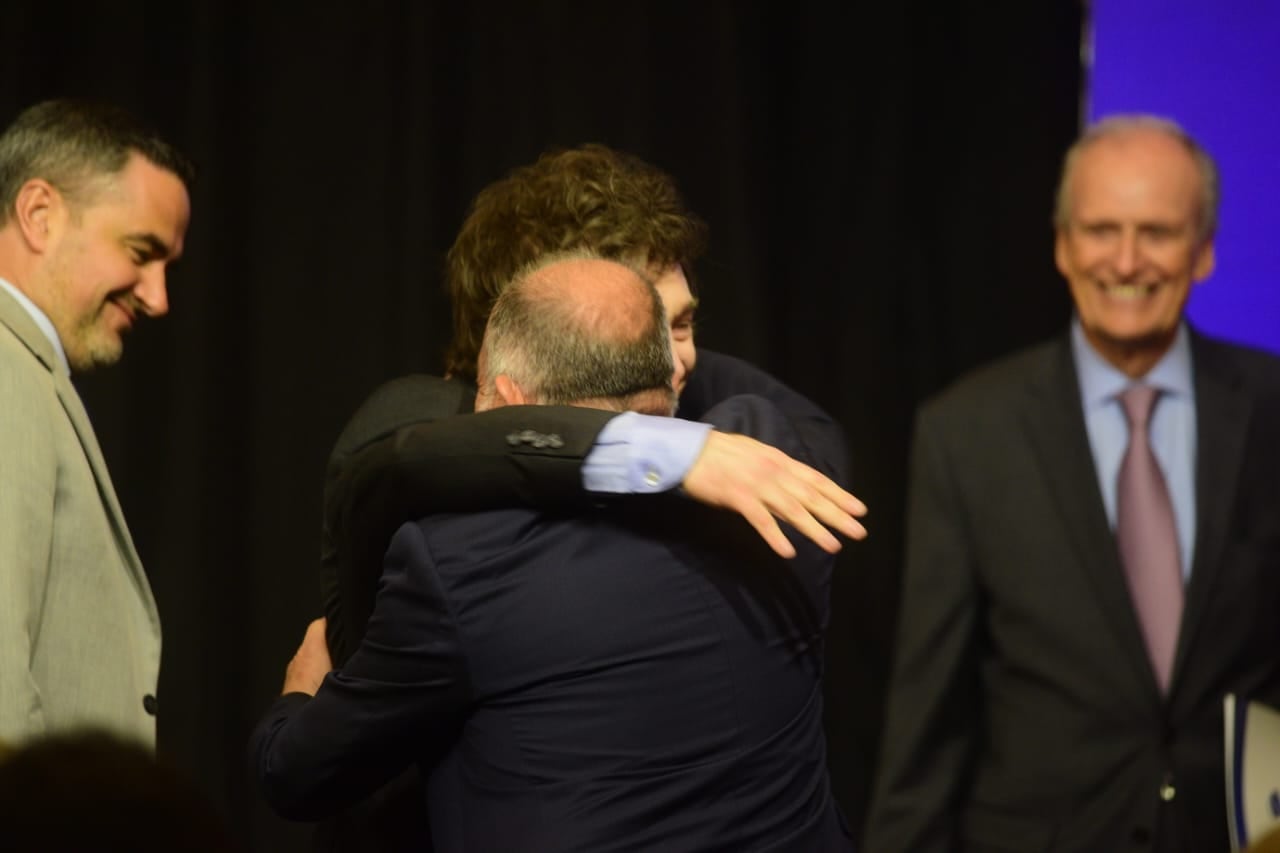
[404,454]
[1023,714]
[632,677]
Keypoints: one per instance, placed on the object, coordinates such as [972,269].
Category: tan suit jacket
[79,631]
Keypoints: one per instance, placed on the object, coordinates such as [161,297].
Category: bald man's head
[578,329]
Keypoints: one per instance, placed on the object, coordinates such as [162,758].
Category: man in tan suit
[92,209]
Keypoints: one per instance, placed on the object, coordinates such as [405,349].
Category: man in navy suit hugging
[640,675]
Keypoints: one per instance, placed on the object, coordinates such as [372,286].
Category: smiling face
[679,304]
[1131,246]
[106,259]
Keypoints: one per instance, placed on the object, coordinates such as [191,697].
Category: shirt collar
[41,320]
[1101,382]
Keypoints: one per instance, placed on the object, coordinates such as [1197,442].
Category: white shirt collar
[41,320]
[1101,382]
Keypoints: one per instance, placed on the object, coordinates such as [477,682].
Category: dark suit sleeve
[406,454]
[718,377]
[931,721]
[400,699]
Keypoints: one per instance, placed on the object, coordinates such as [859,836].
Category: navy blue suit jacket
[642,676]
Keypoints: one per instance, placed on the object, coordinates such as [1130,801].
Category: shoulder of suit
[402,401]
[20,364]
[24,381]
[1258,368]
[464,540]
[995,383]
[17,327]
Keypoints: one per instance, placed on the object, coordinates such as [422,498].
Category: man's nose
[152,291]
[1128,258]
[677,375]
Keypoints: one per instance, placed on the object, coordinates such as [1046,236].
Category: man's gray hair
[561,349]
[1117,125]
[74,145]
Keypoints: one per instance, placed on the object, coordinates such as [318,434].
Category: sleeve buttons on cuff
[535,440]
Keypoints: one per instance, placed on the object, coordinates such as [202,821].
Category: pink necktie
[1148,538]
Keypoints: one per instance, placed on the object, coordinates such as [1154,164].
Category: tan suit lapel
[74,408]
[13,315]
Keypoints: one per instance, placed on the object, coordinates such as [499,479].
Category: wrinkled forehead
[1137,167]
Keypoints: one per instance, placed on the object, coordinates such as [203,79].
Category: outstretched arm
[499,458]
[388,469]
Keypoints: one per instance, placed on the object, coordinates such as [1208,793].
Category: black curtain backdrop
[878,180]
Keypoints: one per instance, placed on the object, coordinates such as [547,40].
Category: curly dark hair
[591,197]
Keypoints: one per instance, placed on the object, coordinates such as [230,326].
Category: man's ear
[1204,262]
[37,211]
[1060,252]
[508,391]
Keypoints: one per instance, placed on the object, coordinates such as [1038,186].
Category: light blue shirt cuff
[643,454]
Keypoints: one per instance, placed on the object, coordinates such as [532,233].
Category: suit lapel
[16,318]
[1054,420]
[79,418]
[1222,415]
[13,315]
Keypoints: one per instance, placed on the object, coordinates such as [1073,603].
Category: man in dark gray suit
[624,678]
[1058,681]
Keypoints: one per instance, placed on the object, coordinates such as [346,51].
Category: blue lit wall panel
[1215,68]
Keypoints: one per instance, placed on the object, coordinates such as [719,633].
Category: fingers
[818,497]
[737,494]
[764,523]
[315,632]
[311,663]
[804,497]
[766,486]
[800,516]
[315,645]
[845,501]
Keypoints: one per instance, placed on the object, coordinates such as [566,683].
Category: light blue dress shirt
[642,454]
[45,324]
[1172,428]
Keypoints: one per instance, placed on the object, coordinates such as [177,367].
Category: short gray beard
[91,350]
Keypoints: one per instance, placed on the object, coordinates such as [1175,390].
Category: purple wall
[1215,68]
